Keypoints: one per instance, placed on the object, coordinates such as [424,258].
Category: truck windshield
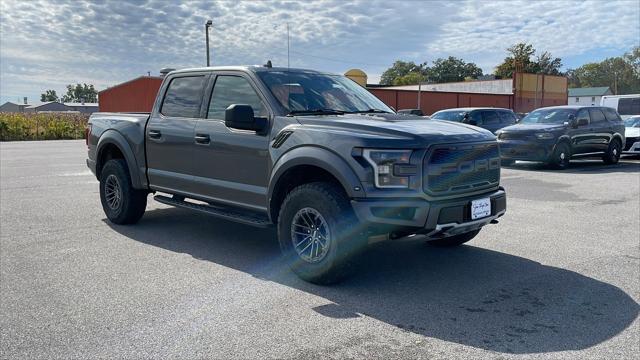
[303,93]
[548,116]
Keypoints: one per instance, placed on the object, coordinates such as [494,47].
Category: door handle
[155,134]
[203,139]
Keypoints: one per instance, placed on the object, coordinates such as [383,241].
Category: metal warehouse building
[523,93]
[135,95]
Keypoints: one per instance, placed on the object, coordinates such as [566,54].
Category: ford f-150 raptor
[314,154]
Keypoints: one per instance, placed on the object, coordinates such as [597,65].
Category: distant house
[50,106]
[589,96]
[13,107]
[83,108]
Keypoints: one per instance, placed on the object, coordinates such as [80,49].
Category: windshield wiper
[370,111]
[316,112]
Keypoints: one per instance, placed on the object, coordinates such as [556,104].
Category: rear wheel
[454,240]
[561,156]
[612,156]
[318,232]
[120,201]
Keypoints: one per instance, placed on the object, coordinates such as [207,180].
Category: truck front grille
[460,168]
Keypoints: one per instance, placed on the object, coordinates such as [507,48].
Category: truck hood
[533,127]
[394,125]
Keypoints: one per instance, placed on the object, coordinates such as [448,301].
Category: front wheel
[120,201]
[612,156]
[455,240]
[561,156]
[318,232]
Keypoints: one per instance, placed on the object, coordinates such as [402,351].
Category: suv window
[476,116]
[596,116]
[507,117]
[230,90]
[583,114]
[629,106]
[183,97]
[490,118]
[611,114]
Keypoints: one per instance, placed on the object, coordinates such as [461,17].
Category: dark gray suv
[555,134]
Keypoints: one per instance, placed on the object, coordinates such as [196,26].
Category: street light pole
[206,31]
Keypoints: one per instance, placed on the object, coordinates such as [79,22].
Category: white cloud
[47,44]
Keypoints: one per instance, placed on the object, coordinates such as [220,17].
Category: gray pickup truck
[314,154]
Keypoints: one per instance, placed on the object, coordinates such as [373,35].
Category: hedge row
[42,126]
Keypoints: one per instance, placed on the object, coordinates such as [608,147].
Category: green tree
[520,58]
[621,74]
[400,69]
[49,95]
[452,69]
[411,78]
[80,93]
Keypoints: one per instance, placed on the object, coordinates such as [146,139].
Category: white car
[632,134]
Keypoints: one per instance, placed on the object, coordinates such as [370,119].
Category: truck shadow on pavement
[467,295]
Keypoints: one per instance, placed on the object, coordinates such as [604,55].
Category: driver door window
[230,90]
[583,114]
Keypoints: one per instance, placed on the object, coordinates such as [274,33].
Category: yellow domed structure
[357,75]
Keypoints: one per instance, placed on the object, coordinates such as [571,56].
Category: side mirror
[583,122]
[240,116]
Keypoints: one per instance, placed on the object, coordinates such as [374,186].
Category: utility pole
[207,25]
[288,42]
[419,94]
[615,83]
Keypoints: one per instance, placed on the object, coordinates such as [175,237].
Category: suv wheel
[318,232]
[561,156]
[454,240]
[613,152]
[120,201]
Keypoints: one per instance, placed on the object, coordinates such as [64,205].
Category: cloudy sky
[48,44]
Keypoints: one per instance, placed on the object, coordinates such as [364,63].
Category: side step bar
[224,213]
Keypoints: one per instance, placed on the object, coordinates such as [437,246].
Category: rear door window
[611,114]
[596,116]
[490,118]
[507,117]
[183,97]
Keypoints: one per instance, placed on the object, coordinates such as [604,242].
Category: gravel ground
[559,277]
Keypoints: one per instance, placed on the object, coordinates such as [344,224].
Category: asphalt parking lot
[559,277]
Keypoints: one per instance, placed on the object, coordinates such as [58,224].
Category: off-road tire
[346,238]
[612,156]
[561,157]
[132,203]
[456,240]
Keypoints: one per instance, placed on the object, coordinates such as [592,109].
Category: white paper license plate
[480,208]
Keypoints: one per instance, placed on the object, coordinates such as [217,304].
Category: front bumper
[526,150]
[428,217]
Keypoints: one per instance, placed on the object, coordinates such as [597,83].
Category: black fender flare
[319,157]
[619,137]
[113,137]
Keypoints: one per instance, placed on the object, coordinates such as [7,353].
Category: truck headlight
[545,136]
[391,168]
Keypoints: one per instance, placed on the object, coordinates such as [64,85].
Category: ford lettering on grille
[452,169]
